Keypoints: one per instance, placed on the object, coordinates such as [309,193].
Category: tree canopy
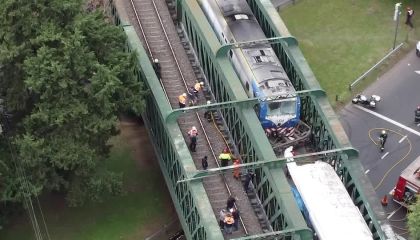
[64,79]
[414,220]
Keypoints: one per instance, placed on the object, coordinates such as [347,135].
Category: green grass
[143,209]
[342,39]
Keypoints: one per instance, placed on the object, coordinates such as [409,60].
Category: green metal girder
[190,199]
[243,103]
[331,128]
[248,134]
[274,163]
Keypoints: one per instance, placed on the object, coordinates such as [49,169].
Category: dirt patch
[135,136]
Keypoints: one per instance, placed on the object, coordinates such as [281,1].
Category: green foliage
[66,78]
[414,220]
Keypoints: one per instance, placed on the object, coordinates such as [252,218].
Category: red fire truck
[408,184]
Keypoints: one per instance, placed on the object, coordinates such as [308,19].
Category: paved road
[399,89]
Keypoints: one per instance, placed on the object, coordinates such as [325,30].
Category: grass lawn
[144,209]
[342,39]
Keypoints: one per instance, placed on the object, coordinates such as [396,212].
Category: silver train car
[258,67]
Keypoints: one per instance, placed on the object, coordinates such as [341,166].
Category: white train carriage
[331,211]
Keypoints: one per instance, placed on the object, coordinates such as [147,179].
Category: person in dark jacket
[249,176]
[410,13]
[235,215]
[204,163]
[230,202]
[156,67]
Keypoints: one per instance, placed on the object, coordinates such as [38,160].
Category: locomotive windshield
[280,108]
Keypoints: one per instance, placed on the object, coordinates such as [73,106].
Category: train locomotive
[257,66]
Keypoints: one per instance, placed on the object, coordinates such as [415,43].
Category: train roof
[409,172]
[331,210]
[232,7]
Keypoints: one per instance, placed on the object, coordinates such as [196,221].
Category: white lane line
[392,214]
[418,72]
[367,171]
[384,155]
[388,120]
[402,139]
[418,124]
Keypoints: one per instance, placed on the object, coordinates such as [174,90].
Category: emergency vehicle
[408,184]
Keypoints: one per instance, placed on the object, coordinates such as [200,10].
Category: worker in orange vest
[236,169]
[197,88]
[182,99]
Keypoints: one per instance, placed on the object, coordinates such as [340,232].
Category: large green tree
[414,220]
[64,77]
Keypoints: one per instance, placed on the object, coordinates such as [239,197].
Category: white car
[418,49]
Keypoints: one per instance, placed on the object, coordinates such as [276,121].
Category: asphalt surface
[399,89]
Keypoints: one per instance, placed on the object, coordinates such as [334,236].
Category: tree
[66,79]
[414,220]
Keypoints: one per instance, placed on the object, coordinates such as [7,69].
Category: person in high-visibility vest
[225,157]
[182,99]
[229,221]
[197,88]
[236,169]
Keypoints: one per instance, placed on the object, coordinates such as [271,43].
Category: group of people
[192,95]
[229,216]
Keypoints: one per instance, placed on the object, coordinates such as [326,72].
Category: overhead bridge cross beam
[271,235]
[273,163]
[248,102]
[223,50]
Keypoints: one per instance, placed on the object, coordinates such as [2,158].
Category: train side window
[247,86]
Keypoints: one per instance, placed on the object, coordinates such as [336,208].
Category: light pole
[397,20]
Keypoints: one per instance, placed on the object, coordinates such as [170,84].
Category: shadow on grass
[144,207]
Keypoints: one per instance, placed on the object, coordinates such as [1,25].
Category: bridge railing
[327,131]
[271,185]
[189,198]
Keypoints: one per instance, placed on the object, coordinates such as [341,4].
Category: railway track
[167,42]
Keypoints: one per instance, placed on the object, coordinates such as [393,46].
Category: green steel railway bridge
[270,212]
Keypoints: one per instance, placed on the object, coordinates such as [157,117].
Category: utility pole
[397,20]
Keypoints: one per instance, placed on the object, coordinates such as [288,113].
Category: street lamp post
[397,20]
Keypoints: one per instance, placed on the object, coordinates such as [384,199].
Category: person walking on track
[225,157]
[193,138]
[182,99]
[236,171]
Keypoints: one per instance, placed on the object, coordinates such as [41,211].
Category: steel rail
[147,44]
[186,87]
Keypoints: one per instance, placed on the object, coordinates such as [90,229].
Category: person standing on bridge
[182,100]
[204,163]
[225,157]
[236,171]
[230,203]
[193,138]
[156,67]
[249,176]
[198,86]
[229,221]
[235,215]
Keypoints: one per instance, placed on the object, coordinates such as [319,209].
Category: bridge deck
[217,187]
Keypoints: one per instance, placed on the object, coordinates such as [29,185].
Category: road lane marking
[392,214]
[367,171]
[418,124]
[388,120]
[402,139]
[418,72]
[384,155]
